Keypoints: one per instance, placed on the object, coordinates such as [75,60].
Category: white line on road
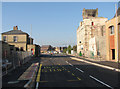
[70,64]
[66,62]
[80,70]
[100,82]
[76,67]
[37,85]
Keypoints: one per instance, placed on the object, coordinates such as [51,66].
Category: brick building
[112,26]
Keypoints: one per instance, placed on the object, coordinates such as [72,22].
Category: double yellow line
[39,73]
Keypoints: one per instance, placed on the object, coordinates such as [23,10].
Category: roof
[14,32]
[46,45]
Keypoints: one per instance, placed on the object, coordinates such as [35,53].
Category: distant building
[112,40]
[46,48]
[35,49]
[58,49]
[91,34]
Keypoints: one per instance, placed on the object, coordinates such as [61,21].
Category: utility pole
[117,32]
[31,35]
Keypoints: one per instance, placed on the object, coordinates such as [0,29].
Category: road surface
[59,70]
[62,71]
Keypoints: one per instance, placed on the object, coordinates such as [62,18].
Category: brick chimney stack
[15,28]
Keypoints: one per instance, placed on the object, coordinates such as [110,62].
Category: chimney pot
[15,28]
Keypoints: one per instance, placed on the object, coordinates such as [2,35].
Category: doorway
[113,54]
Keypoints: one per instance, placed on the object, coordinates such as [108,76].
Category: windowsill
[111,34]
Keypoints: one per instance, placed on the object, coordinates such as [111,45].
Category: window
[102,31]
[119,27]
[17,49]
[4,38]
[92,23]
[111,29]
[21,49]
[15,38]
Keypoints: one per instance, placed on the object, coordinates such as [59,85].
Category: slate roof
[14,32]
[46,46]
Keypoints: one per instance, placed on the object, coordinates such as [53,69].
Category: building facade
[113,40]
[91,34]
[46,48]
[35,49]
[21,41]
[17,38]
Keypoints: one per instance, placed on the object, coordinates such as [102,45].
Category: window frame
[112,31]
[5,39]
[14,39]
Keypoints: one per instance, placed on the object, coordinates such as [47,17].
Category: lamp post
[117,32]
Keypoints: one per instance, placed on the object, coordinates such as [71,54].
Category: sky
[53,23]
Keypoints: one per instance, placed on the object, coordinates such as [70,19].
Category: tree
[75,48]
[64,51]
[69,49]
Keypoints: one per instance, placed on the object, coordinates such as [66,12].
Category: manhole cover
[13,82]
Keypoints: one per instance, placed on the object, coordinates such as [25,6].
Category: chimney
[15,28]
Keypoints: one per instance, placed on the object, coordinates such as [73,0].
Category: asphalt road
[61,71]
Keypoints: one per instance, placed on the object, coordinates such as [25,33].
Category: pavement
[12,78]
[102,62]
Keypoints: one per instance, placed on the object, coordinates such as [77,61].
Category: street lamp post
[117,32]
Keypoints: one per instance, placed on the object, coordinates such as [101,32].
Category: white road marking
[80,70]
[37,85]
[76,67]
[66,62]
[70,64]
[100,82]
